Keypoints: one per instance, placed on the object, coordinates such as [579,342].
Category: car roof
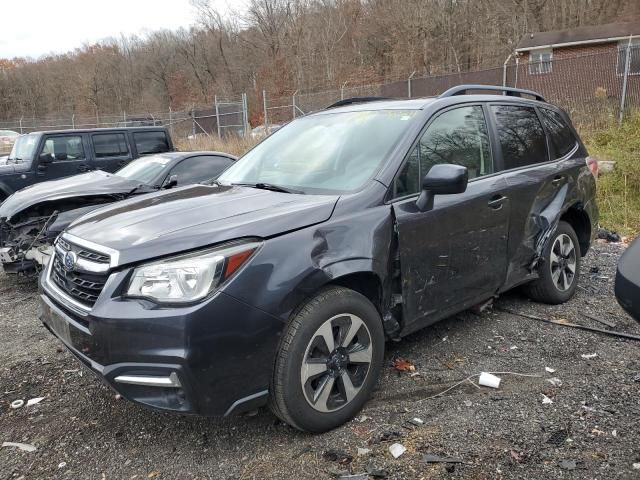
[97,130]
[181,155]
[373,104]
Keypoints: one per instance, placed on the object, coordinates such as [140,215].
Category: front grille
[83,287]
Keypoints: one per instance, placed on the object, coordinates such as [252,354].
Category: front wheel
[560,269]
[329,361]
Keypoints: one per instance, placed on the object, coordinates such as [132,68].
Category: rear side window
[151,142]
[457,136]
[522,139]
[63,149]
[560,135]
[110,145]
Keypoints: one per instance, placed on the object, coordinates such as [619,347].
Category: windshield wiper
[270,186]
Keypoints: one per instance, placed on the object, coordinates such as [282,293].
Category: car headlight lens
[191,277]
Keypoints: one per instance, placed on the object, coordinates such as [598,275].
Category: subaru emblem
[69,261]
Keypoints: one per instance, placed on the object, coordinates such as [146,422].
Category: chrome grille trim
[114,255]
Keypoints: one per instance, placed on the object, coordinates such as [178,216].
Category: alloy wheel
[563,262]
[336,362]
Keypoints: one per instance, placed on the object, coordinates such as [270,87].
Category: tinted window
[110,145]
[521,136]
[200,169]
[458,137]
[64,149]
[151,142]
[560,135]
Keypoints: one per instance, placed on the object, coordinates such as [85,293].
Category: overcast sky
[36,27]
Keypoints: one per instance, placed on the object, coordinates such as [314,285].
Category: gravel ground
[591,430]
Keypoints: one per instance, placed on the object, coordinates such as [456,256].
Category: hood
[89,184]
[186,218]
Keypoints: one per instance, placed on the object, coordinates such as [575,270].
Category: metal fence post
[264,105]
[342,90]
[409,84]
[627,64]
[193,122]
[293,103]
[504,71]
[73,120]
[21,124]
[215,99]
[245,115]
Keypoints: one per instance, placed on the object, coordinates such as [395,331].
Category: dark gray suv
[362,222]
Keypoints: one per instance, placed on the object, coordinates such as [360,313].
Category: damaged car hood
[89,184]
[171,222]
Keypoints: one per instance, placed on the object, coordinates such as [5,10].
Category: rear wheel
[560,269]
[329,361]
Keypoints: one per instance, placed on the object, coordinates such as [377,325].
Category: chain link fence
[596,89]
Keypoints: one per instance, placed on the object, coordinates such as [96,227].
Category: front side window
[333,152]
[560,135]
[540,61]
[151,142]
[522,139]
[110,145]
[200,169]
[458,137]
[64,149]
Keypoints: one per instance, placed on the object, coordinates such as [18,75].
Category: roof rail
[513,92]
[351,101]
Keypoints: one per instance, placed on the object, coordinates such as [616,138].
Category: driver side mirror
[442,179]
[45,158]
[171,182]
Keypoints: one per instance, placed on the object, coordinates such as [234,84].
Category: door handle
[496,202]
[559,180]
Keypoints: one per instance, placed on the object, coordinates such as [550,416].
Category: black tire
[289,393]
[546,289]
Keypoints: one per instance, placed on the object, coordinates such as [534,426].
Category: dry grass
[231,144]
[618,191]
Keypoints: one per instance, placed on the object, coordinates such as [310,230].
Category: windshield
[327,153]
[146,169]
[24,149]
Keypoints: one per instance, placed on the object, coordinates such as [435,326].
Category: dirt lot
[591,430]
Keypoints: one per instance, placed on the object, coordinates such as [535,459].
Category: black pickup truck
[41,156]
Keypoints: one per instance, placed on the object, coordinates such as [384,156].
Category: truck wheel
[329,361]
[560,270]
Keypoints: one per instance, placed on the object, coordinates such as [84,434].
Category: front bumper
[214,358]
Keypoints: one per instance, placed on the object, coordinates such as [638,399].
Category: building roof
[609,32]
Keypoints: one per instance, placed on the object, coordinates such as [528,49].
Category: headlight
[191,277]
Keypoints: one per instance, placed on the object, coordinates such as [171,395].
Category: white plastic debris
[468,403]
[614,433]
[550,370]
[514,348]
[25,447]
[555,381]
[17,404]
[488,380]
[363,451]
[34,401]
[417,420]
[397,449]
[589,356]
[636,466]
[546,400]
[62,464]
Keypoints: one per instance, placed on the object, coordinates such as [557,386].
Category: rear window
[110,145]
[560,135]
[522,138]
[151,142]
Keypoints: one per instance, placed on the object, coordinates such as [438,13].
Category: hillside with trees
[282,46]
